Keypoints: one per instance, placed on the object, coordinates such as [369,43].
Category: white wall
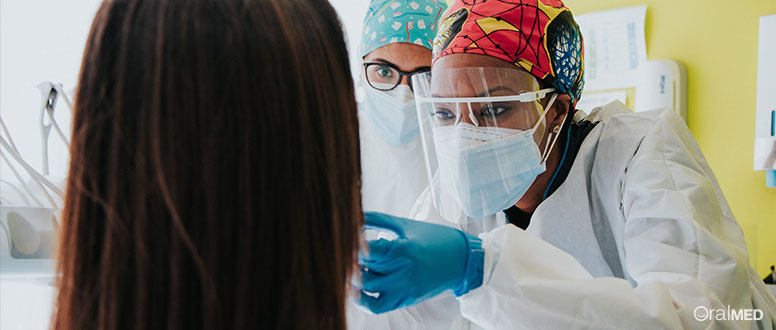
[351,13]
[43,40]
[40,40]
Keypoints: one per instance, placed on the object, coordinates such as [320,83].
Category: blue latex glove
[425,260]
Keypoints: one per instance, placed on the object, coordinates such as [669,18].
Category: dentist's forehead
[470,75]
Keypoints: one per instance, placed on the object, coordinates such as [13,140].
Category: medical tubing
[12,145]
[32,174]
[475,264]
[68,103]
[8,134]
[21,181]
[45,130]
[562,159]
[548,147]
[16,189]
[56,128]
[37,177]
[62,93]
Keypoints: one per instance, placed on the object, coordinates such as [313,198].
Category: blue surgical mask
[393,114]
[488,169]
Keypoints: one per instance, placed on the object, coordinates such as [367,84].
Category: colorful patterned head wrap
[390,21]
[539,36]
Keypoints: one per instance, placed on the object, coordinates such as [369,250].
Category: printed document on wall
[614,46]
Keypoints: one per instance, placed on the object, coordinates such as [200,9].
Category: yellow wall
[717,41]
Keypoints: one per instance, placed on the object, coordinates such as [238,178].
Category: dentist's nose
[467,115]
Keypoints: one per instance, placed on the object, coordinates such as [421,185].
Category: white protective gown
[392,176]
[637,237]
[392,179]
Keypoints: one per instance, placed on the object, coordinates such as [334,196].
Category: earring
[556,129]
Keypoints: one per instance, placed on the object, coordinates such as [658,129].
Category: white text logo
[703,313]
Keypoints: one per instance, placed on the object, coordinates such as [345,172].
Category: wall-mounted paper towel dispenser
[662,84]
[765,118]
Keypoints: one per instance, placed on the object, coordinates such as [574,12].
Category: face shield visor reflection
[480,129]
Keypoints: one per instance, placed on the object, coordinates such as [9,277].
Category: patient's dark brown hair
[214,175]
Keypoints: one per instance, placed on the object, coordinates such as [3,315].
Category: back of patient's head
[214,176]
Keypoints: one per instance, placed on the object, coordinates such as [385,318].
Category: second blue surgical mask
[393,114]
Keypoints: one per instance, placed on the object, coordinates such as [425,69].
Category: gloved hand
[425,260]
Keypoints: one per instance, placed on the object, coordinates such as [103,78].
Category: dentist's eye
[494,110]
[383,72]
[444,114]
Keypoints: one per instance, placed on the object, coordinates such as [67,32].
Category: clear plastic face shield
[483,133]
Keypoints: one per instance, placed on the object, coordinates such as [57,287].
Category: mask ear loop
[543,113]
[552,145]
[549,145]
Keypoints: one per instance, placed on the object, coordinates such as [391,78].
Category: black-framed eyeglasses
[386,76]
